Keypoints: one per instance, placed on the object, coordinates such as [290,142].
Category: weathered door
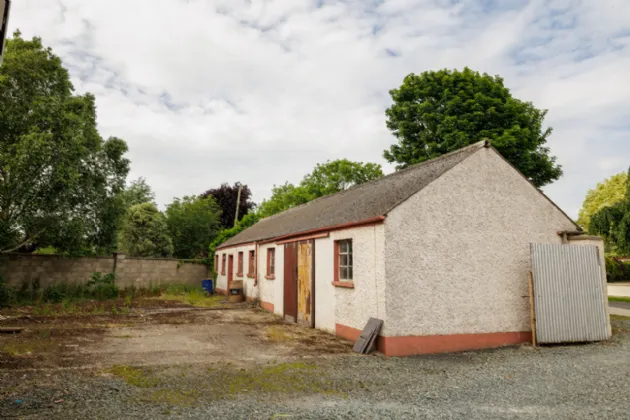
[230,276]
[290,282]
[305,282]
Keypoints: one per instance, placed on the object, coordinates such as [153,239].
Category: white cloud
[211,91]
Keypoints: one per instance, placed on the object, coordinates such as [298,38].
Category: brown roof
[356,204]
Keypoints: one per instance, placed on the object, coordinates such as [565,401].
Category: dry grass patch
[278,333]
[134,376]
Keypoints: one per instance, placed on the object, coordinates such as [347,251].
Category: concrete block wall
[18,269]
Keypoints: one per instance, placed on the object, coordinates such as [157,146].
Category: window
[271,262]
[239,271]
[223,264]
[216,263]
[344,259]
[250,268]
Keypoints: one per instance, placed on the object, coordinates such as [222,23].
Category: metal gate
[569,301]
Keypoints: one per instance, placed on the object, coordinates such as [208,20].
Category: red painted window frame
[271,270]
[251,257]
[239,267]
[223,264]
[337,282]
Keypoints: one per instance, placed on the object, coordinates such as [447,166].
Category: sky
[259,91]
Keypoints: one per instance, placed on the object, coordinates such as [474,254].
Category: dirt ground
[163,335]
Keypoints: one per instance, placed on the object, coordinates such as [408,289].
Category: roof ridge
[393,174]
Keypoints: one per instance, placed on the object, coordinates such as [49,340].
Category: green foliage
[327,178]
[613,223]
[59,180]
[436,112]
[145,232]
[137,192]
[7,294]
[617,270]
[103,287]
[606,194]
[193,222]
[247,221]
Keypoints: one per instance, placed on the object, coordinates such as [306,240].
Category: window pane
[350,247]
[343,246]
[343,260]
[349,273]
[343,273]
[350,260]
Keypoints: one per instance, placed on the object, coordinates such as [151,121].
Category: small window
[250,268]
[223,264]
[271,261]
[344,258]
[216,263]
[239,271]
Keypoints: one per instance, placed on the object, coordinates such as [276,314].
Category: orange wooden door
[230,271]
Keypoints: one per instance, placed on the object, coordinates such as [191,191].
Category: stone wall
[18,269]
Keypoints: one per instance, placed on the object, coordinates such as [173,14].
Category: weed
[277,333]
[618,299]
[128,300]
[175,397]
[134,376]
[192,296]
[18,349]
[114,310]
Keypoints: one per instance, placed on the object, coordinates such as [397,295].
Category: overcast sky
[211,91]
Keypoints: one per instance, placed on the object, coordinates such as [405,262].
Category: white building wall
[457,252]
[353,307]
[249,289]
[271,291]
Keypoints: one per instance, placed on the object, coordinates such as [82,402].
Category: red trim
[429,344]
[267,306]
[304,238]
[270,277]
[269,272]
[235,245]
[336,263]
[239,271]
[349,284]
[371,221]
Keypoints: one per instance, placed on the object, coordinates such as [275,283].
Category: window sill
[250,275]
[346,284]
[239,274]
[270,277]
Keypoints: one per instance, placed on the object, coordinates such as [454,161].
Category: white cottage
[439,251]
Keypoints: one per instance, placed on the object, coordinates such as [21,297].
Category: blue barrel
[207,285]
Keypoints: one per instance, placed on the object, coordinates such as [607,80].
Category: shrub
[7,295]
[616,270]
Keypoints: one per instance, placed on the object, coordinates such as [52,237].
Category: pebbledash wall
[18,269]
[459,261]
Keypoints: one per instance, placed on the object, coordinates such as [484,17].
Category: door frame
[230,271]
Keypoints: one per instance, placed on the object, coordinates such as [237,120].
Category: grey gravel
[583,381]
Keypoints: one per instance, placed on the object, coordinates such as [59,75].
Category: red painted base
[410,345]
[267,306]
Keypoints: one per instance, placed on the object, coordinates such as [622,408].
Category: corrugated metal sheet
[569,300]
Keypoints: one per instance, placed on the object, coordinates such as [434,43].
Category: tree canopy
[137,192]
[194,222]
[607,193]
[226,197]
[145,233]
[59,180]
[327,178]
[613,223]
[436,112]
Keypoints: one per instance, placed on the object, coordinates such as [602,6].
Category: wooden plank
[532,314]
[368,336]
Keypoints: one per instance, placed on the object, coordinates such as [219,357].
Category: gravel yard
[296,377]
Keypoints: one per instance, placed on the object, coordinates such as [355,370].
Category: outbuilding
[440,251]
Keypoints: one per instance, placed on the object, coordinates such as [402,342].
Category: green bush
[7,294]
[617,270]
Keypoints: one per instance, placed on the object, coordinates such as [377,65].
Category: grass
[175,397]
[618,299]
[277,333]
[18,349]
[134,376]
[193,297]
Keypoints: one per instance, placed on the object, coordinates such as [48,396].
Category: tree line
[64,188]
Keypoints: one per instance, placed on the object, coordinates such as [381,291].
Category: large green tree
[59,180]
[327,178]
[436,112]
[607,193]
[613,223]
[145,233]
[194,222]
[137,192]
